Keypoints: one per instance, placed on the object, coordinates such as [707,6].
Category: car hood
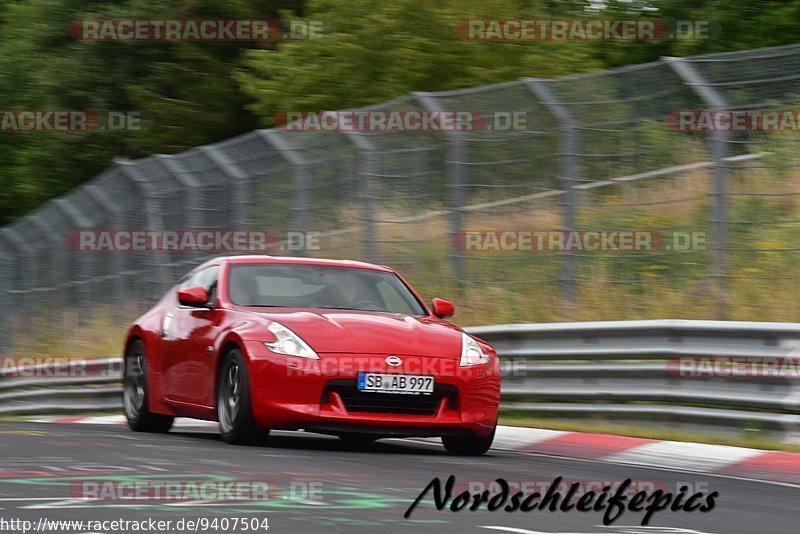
[363,332]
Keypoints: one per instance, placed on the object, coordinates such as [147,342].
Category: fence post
[369,196]
[55,243]
[300,185]
[192,213]
[239,180]
[102,199]
[718,144]
[569,140]
[20,267]
[367,169]
[79,221]
[57,247]
[457,199]
[153,221]
[6,283]
[457,181]
[190,187]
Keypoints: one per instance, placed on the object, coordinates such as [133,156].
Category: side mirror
[443,308]
[197,297]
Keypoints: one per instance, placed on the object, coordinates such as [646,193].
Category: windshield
[316,286]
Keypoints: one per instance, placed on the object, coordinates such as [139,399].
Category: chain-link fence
[598,153]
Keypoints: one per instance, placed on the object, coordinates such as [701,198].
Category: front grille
[358,401]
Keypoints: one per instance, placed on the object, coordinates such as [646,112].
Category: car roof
[250,258]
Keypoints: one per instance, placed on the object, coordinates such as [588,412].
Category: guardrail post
[457,181]
[300,185]
[569,139]
[719,149]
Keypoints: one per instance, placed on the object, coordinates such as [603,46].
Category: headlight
[471,353]
[289,343]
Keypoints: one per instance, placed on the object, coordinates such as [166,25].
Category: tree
[186,88]
[382,50]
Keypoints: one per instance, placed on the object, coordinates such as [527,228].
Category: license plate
[393,383]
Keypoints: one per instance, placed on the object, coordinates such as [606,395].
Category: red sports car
[336,347]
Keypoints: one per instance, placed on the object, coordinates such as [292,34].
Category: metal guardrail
[79,386]
[622,371]
[628,372]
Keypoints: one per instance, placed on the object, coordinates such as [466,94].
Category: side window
[183,283]
[207,278]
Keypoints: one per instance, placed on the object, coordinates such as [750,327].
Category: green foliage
[733,25]
[186,89]
[382,50]
[371,51]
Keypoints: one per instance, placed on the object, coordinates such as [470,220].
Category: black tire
[468,445]
[234,409]
[134,393]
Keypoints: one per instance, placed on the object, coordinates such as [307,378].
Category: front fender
[237,334]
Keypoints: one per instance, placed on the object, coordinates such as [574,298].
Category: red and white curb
[180,423]
[774,466]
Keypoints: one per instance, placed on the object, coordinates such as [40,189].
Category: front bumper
[320,395]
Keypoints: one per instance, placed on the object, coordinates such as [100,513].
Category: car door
[186,341]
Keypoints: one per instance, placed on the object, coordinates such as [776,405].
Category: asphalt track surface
[321,485]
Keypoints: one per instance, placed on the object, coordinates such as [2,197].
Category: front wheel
[468,445]
[236,423]
[134,393]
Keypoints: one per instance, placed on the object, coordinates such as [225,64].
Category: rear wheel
[134,393]
[236,423]
[468,445]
